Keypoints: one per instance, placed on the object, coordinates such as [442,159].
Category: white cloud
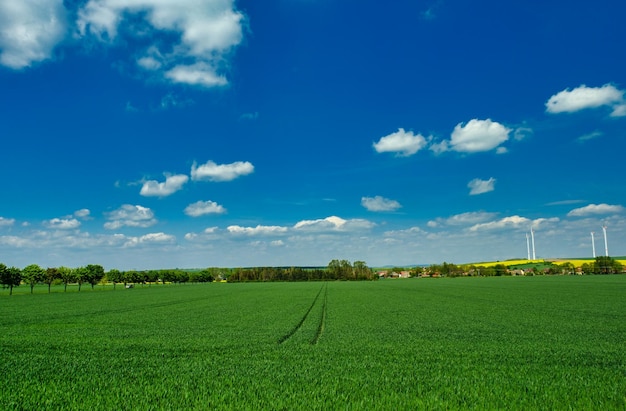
[333,223]
[172,184]
[83,214]
[619,110]
[522,133]
[473,217]
[6,222]
[402,142]
[408,231]
[595,209]
[130,216]
[211,171]
[258,230]
[29,31]
[478,186]
[440,147]
[506,222]
[151,238]
[206,32]
[200,208]
[62,223]
[199,74]
[379,203]
[478,135]
[583,97]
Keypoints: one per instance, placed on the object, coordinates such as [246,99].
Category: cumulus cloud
[506,222]
[205,32]
[83,214]
[595,209]
[130,216]
[29,31]
[62,223]
[333,223]
[379,203]
[478,186]
[407,232]
[473,217]
[211,171]
[583,97]
[258,230]
[200,208]
[6,222]
[150,238]
[199,74]
[404,143]
[172,184]
[478,135]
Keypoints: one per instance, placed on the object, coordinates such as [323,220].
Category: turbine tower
[593,245]
[532,237]
[606,244]
[527,247]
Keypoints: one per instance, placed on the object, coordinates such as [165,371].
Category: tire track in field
[291,332]
[320,327]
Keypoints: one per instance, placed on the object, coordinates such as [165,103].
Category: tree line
[341,270]
[601,265]
[94,274]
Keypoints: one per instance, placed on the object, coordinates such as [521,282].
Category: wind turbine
[527,247]
[606,244]
[593,245]
[532,237]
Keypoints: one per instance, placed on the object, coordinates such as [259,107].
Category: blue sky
[186,133]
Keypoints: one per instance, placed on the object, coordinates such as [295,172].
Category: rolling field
[481,343]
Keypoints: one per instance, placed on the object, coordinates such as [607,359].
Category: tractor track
[320,327]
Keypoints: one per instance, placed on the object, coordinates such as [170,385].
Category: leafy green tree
[607,265]
[93,274]
[67,275]
[205,276]
[10,277]
[115,276]
[501,269]
[340,269]
[587,268]
[50,275]
[80,275]
[32,274]
[131,276]
[362,271]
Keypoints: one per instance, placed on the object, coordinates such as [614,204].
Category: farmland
[482,343]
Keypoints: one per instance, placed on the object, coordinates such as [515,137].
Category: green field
[481,343]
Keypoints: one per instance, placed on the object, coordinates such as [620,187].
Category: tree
[80,276]
[606,265]
[67,275]
[345,270]
[568,268]
[93,274]
[115,276]
[587,268]
[50,275]
[33,274]
[10,277]
[362,271]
